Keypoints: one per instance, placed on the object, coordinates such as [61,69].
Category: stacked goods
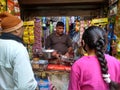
[2,5]
[113,32]
[2,8]
[30,51]
[10,6]
[35,63]
[117,23]
[117,30]
[39,64]
[37,46]
[13,7]
[16,8]
[100,22]
[28,35]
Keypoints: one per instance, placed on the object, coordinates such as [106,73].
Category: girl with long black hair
[97,71]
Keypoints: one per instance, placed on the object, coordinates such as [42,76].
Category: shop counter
[57,74]
[57,79]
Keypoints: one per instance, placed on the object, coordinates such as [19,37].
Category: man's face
[59,30]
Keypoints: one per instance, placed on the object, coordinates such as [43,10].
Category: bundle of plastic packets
[37,46]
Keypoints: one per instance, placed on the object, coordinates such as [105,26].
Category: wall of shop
[85,8]
[59,1]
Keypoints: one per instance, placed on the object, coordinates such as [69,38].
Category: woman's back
[86,73]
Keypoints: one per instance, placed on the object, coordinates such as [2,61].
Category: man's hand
[55,54]
[67,54]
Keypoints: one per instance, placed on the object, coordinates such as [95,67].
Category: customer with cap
[15,68]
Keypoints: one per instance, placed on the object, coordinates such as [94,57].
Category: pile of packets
[28,35]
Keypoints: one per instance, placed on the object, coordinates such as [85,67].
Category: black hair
[60,24]
[95,38]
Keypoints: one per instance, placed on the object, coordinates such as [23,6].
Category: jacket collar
[11,37]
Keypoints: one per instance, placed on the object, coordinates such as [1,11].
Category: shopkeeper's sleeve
[23,74]
[48,42]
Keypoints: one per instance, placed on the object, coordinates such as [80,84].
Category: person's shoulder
[81,62]
[112,59]
[82,59]
[107,56]
[12,45]
[10,42]
[52,34]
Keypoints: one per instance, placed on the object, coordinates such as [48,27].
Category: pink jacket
[86,74]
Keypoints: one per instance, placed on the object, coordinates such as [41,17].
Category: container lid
[49,50]
[43,61]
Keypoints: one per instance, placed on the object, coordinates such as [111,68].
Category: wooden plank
[57,13]
[58,1]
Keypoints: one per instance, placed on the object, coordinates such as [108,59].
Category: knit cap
[10,22]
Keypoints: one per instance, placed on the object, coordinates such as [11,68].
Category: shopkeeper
[59,41]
